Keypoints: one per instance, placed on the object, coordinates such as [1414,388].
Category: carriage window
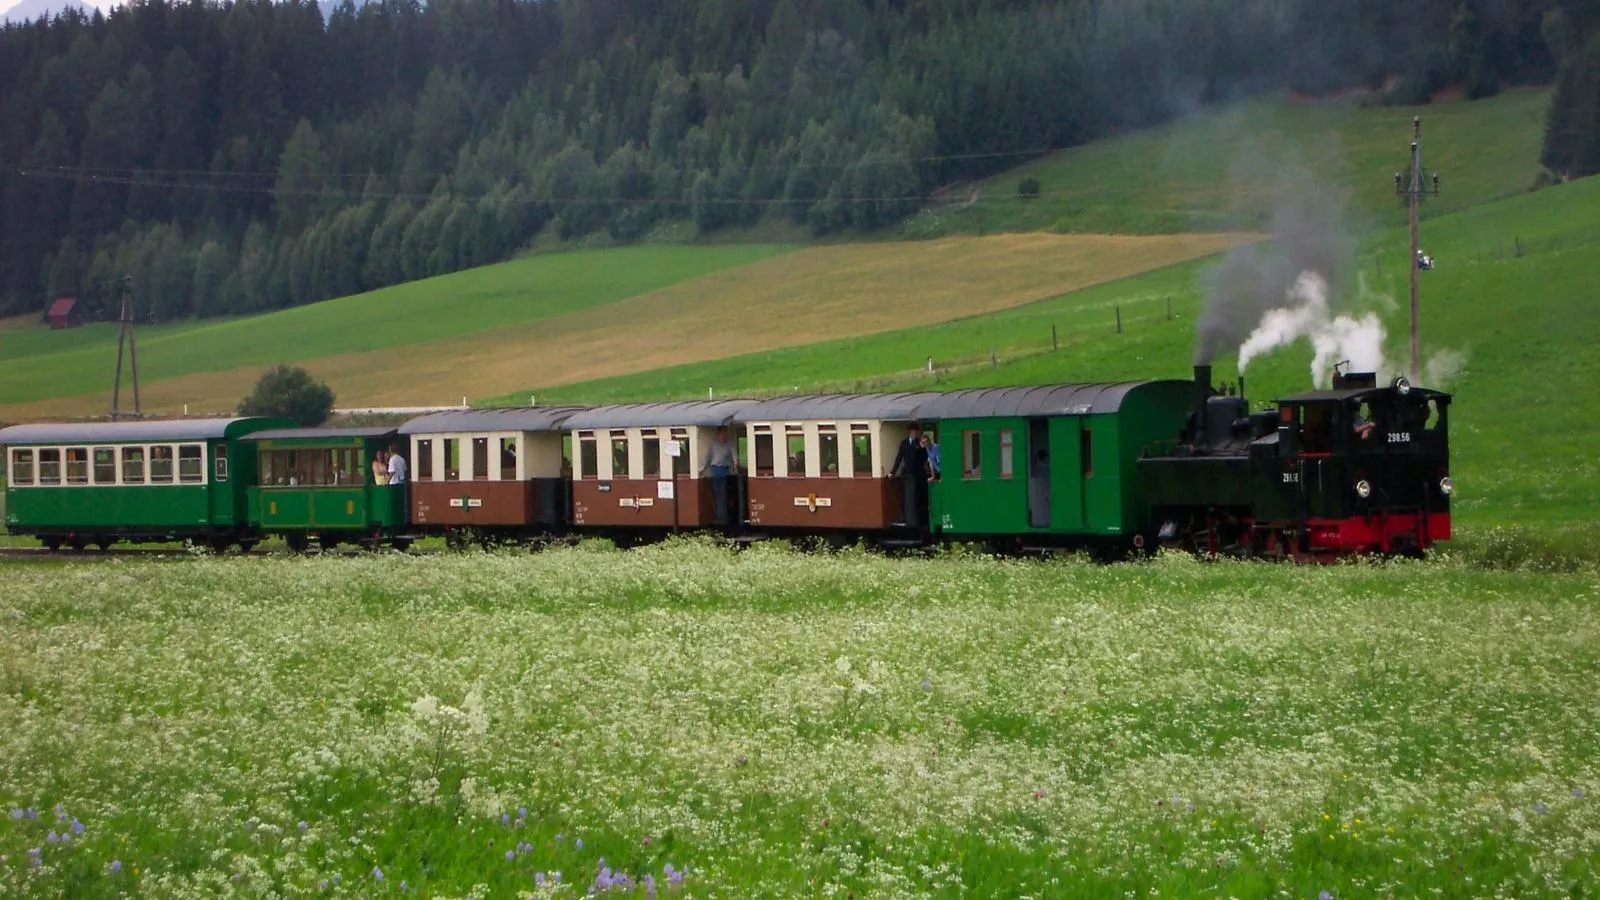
[566,456]
[1086,452]
[160,465]
[795,439]
[652,454]
[1007,455]
[828,450]
[424,457]
[480,459]
[191,466]
[1434,416]
[619,458]
[861,450]
[588,454]
[971,460]
[452,459]
[220,455]
[22,467]
[49,466]
[680,463]
[508,459]
[105,465]
[77,465]
[764,450]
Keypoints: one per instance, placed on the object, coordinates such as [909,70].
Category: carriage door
[1039,473]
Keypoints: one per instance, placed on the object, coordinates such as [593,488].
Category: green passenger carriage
[155,480]
[318,483]
[1051,465]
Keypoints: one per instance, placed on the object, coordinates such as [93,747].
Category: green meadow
[43,364]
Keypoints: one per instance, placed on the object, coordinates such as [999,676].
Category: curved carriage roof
[686,414]
[509,418]
[825,407]
[1042,400]
[283,434]
[129,432]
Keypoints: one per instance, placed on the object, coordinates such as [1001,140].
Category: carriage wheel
[52,543]
[103,543]
[402,544]
[297,542]
[246,546]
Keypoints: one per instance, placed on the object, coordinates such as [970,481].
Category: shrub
[1028,188]
[289,392]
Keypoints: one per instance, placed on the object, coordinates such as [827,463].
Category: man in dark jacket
[911,467]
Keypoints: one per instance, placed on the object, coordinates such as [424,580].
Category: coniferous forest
[253,155]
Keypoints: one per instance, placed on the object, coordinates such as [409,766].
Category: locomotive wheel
[402,544]
[219,545]
[104,544]
[327,542]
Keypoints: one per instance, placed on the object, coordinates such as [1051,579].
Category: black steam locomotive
[1352,470]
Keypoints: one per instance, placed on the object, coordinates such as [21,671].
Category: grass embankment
[796,726]
[588,314]
[1524,426]
[1227,168]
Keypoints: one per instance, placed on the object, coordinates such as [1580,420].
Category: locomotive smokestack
[1202,390]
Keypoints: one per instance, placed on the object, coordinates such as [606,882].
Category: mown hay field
[757,301]
[775,724]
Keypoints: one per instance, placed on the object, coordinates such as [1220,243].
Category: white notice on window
[664,490]
[674,448]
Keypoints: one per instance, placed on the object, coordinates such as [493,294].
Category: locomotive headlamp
[1446,486]
[1402,385]
[1363,489]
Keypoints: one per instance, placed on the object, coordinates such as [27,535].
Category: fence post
[993,360]
[930,365]
[1119,318]
[1518,244]
[1169,309]
[1054,344]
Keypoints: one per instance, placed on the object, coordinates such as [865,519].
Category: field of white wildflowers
[686,721]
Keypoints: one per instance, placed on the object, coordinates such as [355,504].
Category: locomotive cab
[1366,468]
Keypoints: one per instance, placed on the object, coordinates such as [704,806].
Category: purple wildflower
[1324,895]
[31,813]
[511,855]
[52,837]
[77,827]
[303,825]
[1539,807]
[505,819]
[116,866]
[66,837]
[556,876]
[1578,792]
[927,685]
[34,858]
[402,884]
[578,842]
[61,813]
[538,879]
[522,811]
[322,885]
[519,823]
[667,870]
[560,837]
[377,874]
[337,878]
[649,885]
[17,814]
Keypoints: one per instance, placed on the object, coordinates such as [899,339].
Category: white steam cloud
[1358,339]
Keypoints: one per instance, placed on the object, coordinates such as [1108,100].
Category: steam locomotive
[1355,469]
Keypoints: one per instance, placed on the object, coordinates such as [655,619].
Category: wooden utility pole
[125,336]
[1414,190]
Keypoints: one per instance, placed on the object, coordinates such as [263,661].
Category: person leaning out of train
[380,468]
[397,466]
[1364,423]
[722,461]
[935,465]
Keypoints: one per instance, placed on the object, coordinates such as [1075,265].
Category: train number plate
[1291,478]
[1399,437]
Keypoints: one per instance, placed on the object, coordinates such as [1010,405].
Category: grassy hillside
[1526,420]
[571,317]
[76,361]
[1224,168]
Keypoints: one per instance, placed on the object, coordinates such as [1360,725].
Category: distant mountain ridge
[31,10]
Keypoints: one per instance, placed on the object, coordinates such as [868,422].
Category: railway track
[43,553]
